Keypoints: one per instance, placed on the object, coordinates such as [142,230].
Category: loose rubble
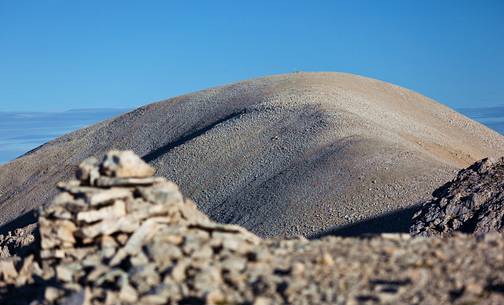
[472,203]
[135,240]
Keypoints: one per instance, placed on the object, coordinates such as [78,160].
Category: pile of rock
[118,235]
[472,203]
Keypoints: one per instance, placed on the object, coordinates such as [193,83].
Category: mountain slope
[281,155]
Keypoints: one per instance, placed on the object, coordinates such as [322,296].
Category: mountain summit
[282,155]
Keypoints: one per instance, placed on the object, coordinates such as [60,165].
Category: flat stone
[109,181]
[74,187]
[64,274]
[125,164]
[143,210]
[163,193]
[59,212]
[45,254]
[62,198]
[262,301]
[126,224]
[7,269]
[234,263]
[143,234]
[65,185]
[105,196]
[154,299]
[118,209]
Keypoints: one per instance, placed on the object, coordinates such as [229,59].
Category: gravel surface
[286,155]
[138,241]
[472,203]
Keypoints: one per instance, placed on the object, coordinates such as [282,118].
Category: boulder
[471,203]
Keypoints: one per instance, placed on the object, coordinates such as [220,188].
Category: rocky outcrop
[120,236]
[472,203]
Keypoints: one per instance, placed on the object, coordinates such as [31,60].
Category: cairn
[118,235]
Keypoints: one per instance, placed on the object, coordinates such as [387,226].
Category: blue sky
[59,55]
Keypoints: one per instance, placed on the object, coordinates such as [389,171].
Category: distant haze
[492,117]
[21,132]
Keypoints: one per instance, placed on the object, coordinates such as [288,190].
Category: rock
[125,164]
[163,193]
[135,242]
[7,269]
[126,224]
[64,273]
[116,210]
[78,298]
[262,301]
[471,203]
[234,264]
[327,260]
[109,182]
[88,171]
[51,294]
[57,233]
[109,195]
[26,270]
[127,293]
[215,297]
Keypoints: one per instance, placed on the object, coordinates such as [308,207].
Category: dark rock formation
[472,203]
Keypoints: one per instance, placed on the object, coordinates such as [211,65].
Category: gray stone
[105,196]
[88,171]
[125,164]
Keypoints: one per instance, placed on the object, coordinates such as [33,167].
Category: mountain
[282,155]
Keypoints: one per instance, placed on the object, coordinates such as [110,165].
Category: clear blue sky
[59,55]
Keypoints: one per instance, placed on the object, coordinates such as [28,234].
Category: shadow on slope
[397,221]
[19,222]
[156,153]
